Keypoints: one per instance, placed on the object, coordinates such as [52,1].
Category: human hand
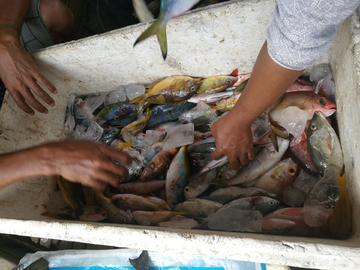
[233,139]
[85,162]
[20,75]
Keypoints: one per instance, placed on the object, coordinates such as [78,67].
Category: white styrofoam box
[210,41]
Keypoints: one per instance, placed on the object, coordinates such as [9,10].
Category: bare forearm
[267,83]
[21,165]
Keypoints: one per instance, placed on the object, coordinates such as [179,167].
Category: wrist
[9,36]
[44,157]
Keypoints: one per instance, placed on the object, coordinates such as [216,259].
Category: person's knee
[58,18]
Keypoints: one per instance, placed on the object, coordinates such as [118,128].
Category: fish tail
[161,206]
[214,108]
[158,29]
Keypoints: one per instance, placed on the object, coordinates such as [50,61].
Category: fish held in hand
[169,9]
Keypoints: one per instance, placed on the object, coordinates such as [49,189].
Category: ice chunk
[235,220]
[115,96]
[177,136]
[320,72]
[199,115]
[93,132]
[140,143]
[326,88]
[82,112]
[154,136]
[293,196]
[95,100]
[134,90]
[293,120]
[69,117]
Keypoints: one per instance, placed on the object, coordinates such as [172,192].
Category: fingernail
[45,112]
[52,103]
[55,92]
[32,113]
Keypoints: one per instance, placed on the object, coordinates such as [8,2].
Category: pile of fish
[290,188]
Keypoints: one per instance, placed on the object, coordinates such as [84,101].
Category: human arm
[89,163]
[17,68]
[232,132]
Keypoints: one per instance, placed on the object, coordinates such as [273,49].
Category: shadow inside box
[2,92]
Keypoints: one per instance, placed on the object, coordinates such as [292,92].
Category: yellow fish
[172,90]
[341,218]
[135,127]
[226,104]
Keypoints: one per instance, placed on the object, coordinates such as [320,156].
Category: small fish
[122,121]
[241,82]
[324,145]
[210,98]
[157,164]
[135,127]
[341,219]
[114,214]
[165,113]
[225,172]
[180,222]
[134,202]
[142,188]
[306,101]
[169,9]
[279,177]
[264,205]
[298,87]
[202,146]
[114,111]
[212,165]
[153,218]
[109,135]
[173,90]
[177,177]
[226,104]
[225,195]
[216,84]
[82,113]
[264,161]
[198,185]
[198,207]
[157,201]
[277,226]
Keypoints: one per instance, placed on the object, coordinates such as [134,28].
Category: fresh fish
[153,218]
[212,165]
[135,127]
[298,87]
[141,263]
[225,172]
[165,113]
[225,195]
[341,219]
[207,146]
[198,185]
[241,82]
[151,152]
[169,9]
[279,177]
[210,98]
[231,220]
[264,161]
[109,135]
[306,101]
[114,111]
[226,104]
[264,205]
[123,121]
[157,201]
[180,222]
[82,113]
[199,160]
[202,114]
[90,213]
[142,188]
[173,90]
[157,164]
[324,145]
[298,150]
[277,226]
[134,202]
[73,195]
[216,84]
[136,167]
[114,214]
[198,207]
[177,177]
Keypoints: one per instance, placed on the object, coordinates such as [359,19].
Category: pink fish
[296,87]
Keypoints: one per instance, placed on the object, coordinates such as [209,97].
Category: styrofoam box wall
[210,41]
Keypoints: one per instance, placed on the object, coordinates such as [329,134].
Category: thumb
[215,155]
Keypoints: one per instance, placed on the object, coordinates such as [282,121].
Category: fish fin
[142,262]
[214,108]
[234,73]
[158,29]
[140,100]
[142,11]
[162,206]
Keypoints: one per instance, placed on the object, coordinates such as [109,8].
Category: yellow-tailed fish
[114,214]
[90,213]
[172,90]
[169,9]
[216,84]
[226,104]
[124,145]
[153,218]
[134,202]
[135,127]
[341,218]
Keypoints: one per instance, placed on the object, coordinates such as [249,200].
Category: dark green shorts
[34,33]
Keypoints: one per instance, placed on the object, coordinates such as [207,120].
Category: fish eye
[192,88]
[313,127]
[292,170]
[228,81]
[322,101]
[187,189]
[271,203]
[123,219]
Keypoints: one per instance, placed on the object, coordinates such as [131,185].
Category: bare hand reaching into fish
[89,163]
